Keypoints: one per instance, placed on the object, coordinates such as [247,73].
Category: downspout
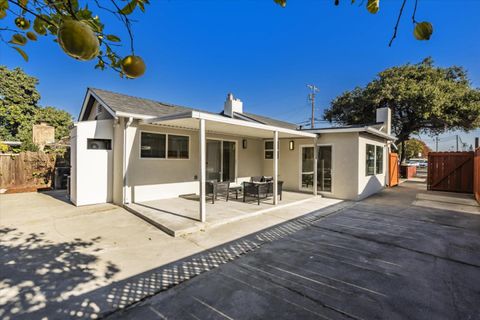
[125,176]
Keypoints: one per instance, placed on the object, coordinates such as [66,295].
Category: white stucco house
[127,149]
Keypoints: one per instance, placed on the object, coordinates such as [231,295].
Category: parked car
[417,162]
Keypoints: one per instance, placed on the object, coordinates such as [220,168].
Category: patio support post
[275,167]
[202,144]
[315,165]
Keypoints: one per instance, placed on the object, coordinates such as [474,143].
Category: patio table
[236,189]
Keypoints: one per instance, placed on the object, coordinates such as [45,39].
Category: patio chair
[279,188]
[256,190]
[267,178]
[215,188]
[256,179]
[222,189]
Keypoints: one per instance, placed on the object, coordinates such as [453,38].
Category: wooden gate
[450,171]
[392,169]
[476,175]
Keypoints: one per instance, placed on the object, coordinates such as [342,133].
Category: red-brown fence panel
[476,175]
[450,171]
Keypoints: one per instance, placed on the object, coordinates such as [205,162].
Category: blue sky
[196,51]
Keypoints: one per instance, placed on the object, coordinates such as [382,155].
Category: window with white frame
[378,160]
[164,146]
[177,147]
[373,160]
[269,149]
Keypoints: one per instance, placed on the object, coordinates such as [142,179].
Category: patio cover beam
[230,121]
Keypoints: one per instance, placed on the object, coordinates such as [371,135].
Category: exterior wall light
[244,143]
[291,145]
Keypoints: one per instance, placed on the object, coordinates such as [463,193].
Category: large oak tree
[424,98]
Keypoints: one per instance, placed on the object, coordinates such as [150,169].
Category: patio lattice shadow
[36,271]
[104,301]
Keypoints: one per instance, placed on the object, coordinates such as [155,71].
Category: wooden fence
[392,169]
[476,175]
[450,171]
[26,171]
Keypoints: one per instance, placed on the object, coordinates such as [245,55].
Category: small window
[177,147]
[370,160]
[379,160]
[152,145]
[269,150]
[99,144]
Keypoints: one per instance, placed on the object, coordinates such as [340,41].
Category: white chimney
[384,115]
[232,105]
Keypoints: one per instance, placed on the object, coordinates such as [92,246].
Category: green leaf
[39,26]
[282,3]
[128,9]
[17,38]
[22,53]
[373,6]
[113,38]
[23,3]
[3,8]
[32,36]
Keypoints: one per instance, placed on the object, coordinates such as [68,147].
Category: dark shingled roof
[129,104]
[135,105]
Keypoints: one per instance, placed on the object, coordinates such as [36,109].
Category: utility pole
[311,96]
[457,141]
[436,144]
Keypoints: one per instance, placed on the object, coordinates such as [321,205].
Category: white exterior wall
[150,179]
[92,170]
[344,164]
[368,185]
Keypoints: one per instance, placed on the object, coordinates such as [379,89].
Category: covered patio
[179,216]
[186,214]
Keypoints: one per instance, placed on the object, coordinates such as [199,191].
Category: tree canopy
[423,98]
[78,28]
[414,147]
[19,109]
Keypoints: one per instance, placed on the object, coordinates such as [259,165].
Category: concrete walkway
[370,260]
[53,253]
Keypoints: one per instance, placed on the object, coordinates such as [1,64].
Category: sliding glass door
[220,160]
[324,168]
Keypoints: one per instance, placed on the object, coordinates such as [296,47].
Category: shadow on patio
[36,271]
[118,295]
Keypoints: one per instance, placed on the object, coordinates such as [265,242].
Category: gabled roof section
[125,105]
[122,105]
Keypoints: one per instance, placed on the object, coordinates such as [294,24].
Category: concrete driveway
[382,258]
[60,261]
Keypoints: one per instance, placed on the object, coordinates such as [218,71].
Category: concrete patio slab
[180,216]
